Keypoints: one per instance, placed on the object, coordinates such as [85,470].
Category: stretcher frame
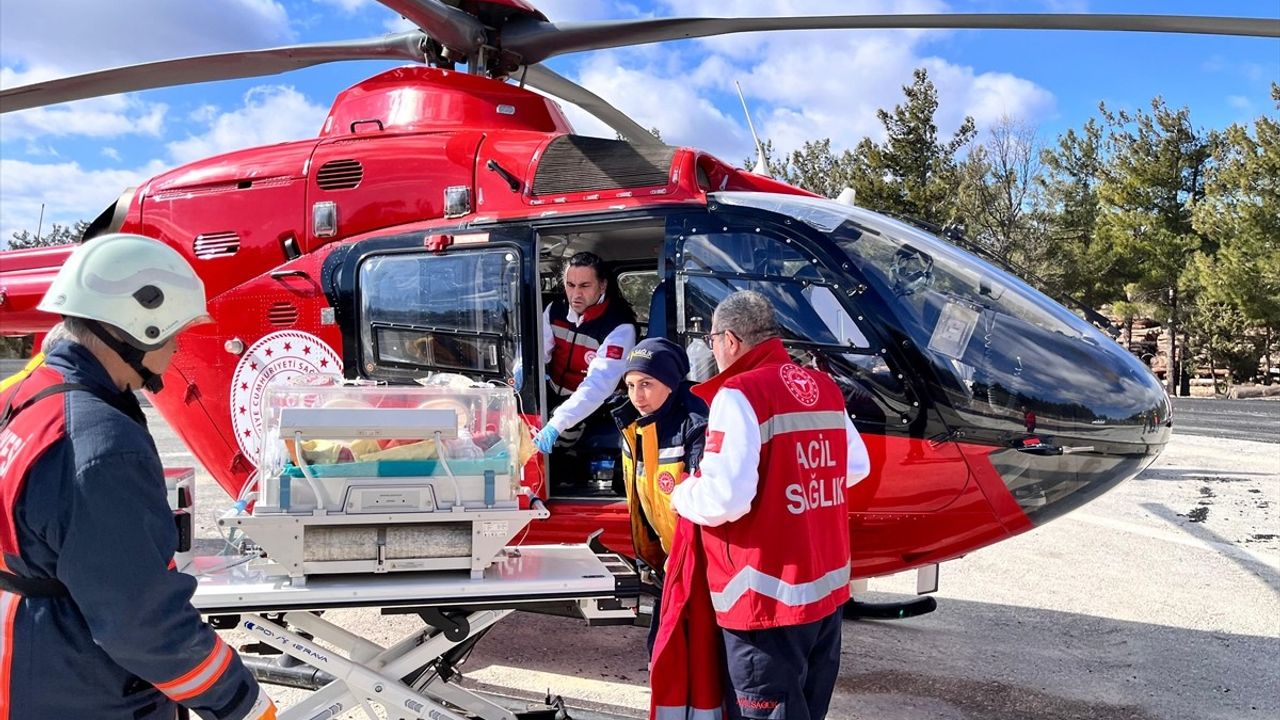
[414,678]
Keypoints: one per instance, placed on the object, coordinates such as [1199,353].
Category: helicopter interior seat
[658,311]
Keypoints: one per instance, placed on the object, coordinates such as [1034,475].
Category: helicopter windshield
[1003,350]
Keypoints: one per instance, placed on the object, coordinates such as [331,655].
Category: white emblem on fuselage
[278,356]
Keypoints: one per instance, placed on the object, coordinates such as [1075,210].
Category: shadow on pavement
[971,660]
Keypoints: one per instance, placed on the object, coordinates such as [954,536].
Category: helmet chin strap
[131,355]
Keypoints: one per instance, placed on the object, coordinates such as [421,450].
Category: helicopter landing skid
[861,610]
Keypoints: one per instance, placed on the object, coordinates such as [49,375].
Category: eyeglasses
[711,337]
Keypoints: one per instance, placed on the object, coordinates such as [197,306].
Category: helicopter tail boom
[23,281]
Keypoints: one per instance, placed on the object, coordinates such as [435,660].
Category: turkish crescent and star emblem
[279,356]
[800,384]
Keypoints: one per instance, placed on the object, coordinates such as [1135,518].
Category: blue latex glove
[546,439]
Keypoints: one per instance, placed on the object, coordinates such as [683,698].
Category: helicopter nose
[1049,480]
[1068,417]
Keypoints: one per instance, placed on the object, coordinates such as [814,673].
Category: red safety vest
[577,345]
[23,440]
[786,562]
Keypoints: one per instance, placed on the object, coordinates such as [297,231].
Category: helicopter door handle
[282,274]
[1049,449]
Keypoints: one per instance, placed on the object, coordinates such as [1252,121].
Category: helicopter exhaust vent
[573,163]
[218,244]
[340,175]
[282,314]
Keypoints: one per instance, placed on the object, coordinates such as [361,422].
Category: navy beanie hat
[666,361]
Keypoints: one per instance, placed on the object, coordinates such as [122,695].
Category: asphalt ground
[1257,420]
[1158,601]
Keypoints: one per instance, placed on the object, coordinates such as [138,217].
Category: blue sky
[76,158]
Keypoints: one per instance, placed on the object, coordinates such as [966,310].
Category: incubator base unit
[374,479]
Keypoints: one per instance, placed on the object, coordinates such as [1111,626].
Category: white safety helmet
[139,285]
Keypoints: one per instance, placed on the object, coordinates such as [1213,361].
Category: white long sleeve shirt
[727,479]
[603,372]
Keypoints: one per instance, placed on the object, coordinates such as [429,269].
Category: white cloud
[670,104]
[67,191]
[92,35]
[800,86]
[70,192]
[1240,102]
[271,114]
[82,35]
[348,6]
[98,117]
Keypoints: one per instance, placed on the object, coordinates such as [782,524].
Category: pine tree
[1240,213]
[57,235]
[1151,183]
[912,173]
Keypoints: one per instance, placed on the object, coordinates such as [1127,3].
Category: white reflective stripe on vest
[671,453]
[800,421]
[574,337]
[684,712]
[749,578]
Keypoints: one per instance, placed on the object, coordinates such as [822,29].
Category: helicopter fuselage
[423,230]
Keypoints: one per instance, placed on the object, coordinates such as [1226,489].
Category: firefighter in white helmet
[95,619]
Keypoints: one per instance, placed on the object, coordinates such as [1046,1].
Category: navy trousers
[784,673]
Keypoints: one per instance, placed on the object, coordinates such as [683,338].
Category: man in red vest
[770,497]
[95,618]
[587,336]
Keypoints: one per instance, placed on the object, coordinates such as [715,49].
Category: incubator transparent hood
[364,478]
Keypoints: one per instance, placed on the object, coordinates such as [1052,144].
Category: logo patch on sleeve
[613,352]
[715,438]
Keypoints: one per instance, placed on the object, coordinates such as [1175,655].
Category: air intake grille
[282,313]
[340,174]
[573,163]
[211,245]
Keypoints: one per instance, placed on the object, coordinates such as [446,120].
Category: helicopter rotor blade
[552,83]
[448,25]
[205,68]
[535,41]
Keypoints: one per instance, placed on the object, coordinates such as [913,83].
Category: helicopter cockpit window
[817,326]
[440,313]
[1001,347]
[716,264]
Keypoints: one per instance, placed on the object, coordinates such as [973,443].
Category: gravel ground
[1160,600]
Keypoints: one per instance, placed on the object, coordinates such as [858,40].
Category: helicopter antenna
[762,167]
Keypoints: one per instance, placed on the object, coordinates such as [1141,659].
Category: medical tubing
[457,494]
[322,500]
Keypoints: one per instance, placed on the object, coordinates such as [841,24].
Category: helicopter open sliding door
[828,322]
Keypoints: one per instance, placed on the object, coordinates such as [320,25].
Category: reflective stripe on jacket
[658,452]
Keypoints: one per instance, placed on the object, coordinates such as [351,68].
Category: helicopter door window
[427,313]
[817,324]
[637,288]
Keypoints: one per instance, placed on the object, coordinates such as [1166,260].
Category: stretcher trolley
[415,678]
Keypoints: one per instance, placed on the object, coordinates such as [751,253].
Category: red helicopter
[422,231]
